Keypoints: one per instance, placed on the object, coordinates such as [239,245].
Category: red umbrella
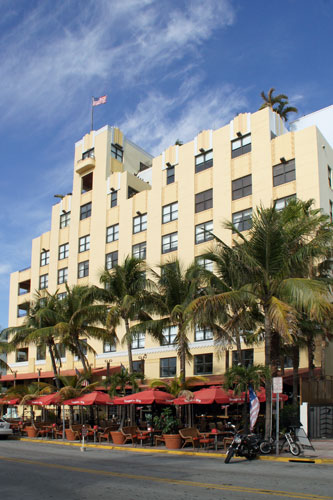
[206,396]
[48,399]
[13,401]
[93,398]
[261,396]
[146,398]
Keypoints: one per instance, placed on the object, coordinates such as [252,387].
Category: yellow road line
[193,484]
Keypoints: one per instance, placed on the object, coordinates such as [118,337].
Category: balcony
[86,163]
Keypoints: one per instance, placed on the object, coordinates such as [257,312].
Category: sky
[170,68]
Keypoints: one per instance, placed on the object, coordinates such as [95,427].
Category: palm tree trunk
[54,366]
[295,353]
[268,340]
[129,347]
[182,359]
[81,356]
[311,349]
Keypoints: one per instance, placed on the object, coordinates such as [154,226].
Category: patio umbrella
[261,394]
[147,397]
[13,401]
[206,396]
[48,399]
[93,398]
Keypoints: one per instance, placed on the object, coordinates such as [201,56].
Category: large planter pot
[117,437]
[172,441]
[70,436]
[31,432]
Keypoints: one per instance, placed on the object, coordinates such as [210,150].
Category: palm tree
[128,297]
[278,103]
[283,109]
[117,383]
[175,386]
[272,261]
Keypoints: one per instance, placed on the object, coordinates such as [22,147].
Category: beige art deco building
[124,202]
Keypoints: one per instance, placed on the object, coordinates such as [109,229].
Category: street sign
[277,385]
[84,431]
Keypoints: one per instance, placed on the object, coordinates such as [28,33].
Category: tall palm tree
[272,261]
[117,383]
[283,109]
[278,103]
[175,385]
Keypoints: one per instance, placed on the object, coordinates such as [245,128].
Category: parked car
[5,429]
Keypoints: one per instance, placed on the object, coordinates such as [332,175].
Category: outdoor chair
[190,435]
[159,439]
[130,433]
[104,434]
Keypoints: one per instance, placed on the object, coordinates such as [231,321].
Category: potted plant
[169,425]
[117,437]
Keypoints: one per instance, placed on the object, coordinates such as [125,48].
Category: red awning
[146,398]
[65,373]
[13,401]
[48,399]
[93,398]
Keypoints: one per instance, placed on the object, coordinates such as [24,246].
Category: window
[108,347]
[139,250]
[247,357]
[84,243]
[168,367]
[203,161]
[138,341]
[85,211]
[139,223]
[169,335]
[87,183]
[84,348]
[60,351]
[241,146]
[170,212]
[111,260]
[204,200]
[41,353]
[139,366]
[203,364]
[62,275]
[169,242]
[44,258]
[284,172]
[65,219]
[90,153]
[203,232]
[22,355]
[281,203]
[287,362]
[329,173]
[22,310]
[24,287]
[83,269]
[114,198]
[205,263]
[201,334]
[117,152]
[331,210]
[62,296]
[241,187]
[112,233]
[43,281]
[63,251]
[242,220]
[170,175]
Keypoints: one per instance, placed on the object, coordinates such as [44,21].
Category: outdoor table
[216,434]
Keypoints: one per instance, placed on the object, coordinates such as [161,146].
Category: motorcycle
[243,445]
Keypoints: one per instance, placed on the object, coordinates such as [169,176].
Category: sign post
[84,434]
[277,388]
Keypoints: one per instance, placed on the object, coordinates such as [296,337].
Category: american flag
[254,408]
[99,100]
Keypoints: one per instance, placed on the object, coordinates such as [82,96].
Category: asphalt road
[36,471]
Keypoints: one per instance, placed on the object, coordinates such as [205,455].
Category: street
[36,471]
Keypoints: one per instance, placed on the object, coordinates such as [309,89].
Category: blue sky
[170,68]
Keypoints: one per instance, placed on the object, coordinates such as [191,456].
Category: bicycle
[286,440]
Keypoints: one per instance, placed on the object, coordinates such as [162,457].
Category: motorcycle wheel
[295,449]
[230,454]
[265,447]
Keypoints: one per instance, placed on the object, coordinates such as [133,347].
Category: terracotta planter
[70,436]
[31,432]
[117,437]
[172,441]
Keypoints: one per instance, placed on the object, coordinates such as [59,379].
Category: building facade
[125,202]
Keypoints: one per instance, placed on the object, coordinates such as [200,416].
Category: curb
[309,460]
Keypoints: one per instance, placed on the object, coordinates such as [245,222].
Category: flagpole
[92,113]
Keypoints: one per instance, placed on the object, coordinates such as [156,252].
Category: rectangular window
[203,161]
[242,187]
[112,233]
[201,334]
[62,296]
[168,367]
[170,175]
[62,275]
[241,146]
[331,210]
[247,357]
[83,269]
[204,200]
[65,219]
[139,223]
[114,198]
[84,243]
[203,364]
[169,335]
[41,353]
[108,347]
[87,183]
[60,351]
[205,263]
[43,281]
[169,242]
[329,173]
[24,287]
[170,212]
[139,366]
[203,232]
[22,310]
[22,355]
[138,341]
[139,251]
[117,152]
[63,251]
[284,172]
[111,260]
[242,220]
[44,258]
[85,211]
[281,203]
[90,153]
